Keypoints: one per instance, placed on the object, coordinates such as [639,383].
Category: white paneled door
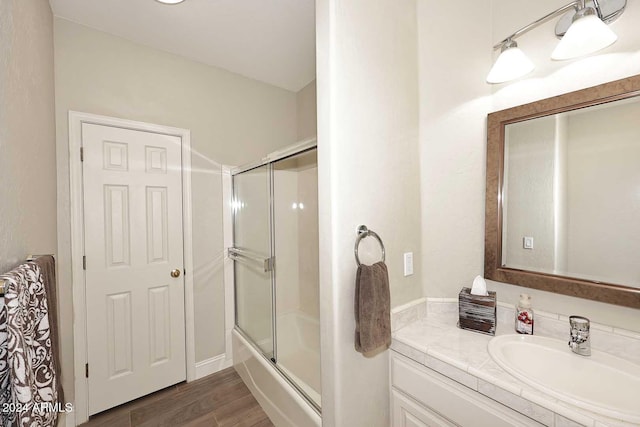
[134,263]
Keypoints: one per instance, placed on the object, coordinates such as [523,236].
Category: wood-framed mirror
[562,207]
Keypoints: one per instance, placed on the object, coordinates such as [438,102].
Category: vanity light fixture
[169,1]
[582,31]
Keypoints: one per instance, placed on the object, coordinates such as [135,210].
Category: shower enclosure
[275,254]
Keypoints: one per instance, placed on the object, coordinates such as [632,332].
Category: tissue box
[477,312]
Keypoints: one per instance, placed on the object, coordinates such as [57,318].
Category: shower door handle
[253,259]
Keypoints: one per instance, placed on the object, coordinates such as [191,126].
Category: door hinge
[84,262]
[82,154]
[86,370]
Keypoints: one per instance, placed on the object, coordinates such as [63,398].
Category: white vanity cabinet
[422,397]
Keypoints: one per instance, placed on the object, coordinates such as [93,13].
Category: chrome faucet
[579,335]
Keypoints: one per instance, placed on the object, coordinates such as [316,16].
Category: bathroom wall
[454,102]
[368,174]
[27,132]
[233,120]
[307,111]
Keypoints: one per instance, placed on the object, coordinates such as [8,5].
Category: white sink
[601,383]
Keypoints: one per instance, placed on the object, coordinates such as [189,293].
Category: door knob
[175,273]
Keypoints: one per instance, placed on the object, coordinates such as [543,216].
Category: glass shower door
[295,225]
[277,306]
[252,252]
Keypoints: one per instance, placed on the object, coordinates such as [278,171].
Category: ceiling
[268,40]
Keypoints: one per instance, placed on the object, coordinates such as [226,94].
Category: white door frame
[76,119]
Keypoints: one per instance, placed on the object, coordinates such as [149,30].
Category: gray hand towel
[372,308]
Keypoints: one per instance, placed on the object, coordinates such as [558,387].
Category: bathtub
[298,363]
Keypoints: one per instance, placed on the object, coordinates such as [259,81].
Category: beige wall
[233,120]
[454,102]
[27,132]
[307,111]
[368,174]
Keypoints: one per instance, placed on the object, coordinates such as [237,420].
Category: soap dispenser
[524,315]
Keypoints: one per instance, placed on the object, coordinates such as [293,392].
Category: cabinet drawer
[453,401]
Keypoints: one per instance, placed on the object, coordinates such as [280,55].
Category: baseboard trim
[212,365]
[67,419]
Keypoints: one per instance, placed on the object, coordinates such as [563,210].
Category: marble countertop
[436,342]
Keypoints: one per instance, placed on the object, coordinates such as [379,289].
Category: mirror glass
[571,194]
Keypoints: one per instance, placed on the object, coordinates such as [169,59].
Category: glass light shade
[586,35]
[170,1]
[510,65]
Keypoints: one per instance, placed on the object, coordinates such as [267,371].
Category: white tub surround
[279,399]
[434,343]
[299,352]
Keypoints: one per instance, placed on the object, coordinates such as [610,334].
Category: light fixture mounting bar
[598,9]
[576,5]
[607,10]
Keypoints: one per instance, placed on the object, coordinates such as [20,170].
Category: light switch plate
[527,242]
[408,264]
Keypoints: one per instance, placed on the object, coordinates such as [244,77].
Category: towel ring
[363,232]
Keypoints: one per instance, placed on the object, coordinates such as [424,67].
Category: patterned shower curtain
[28,381]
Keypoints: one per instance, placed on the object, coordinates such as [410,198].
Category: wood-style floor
[220,399]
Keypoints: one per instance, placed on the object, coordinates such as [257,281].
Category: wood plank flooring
[219,400]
